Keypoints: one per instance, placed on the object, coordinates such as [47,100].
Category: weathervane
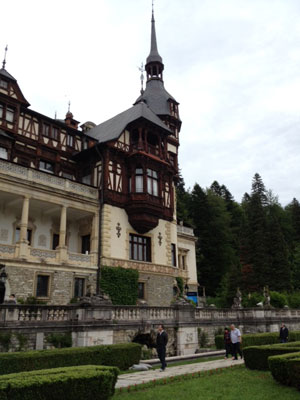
[4,60]
[141,69]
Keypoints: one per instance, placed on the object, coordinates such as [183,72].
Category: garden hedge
[219,342]
[256,357]
[286,369]
[258,339]
[87,382]
[117,355]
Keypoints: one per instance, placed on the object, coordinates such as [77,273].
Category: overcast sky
[233,65]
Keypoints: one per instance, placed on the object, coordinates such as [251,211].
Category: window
[7,113]
[10,114]
[3,84]
[85,244]
[70,140]
[46,166]
[46,130]
[79,284]
[139,248]
[173,252]
[55,240]
[87,179]
[29,235]
[139,187]
[152,182]
[3,153]
[67,175]
[141,290]
[55,133]
[85,144]
[42,286]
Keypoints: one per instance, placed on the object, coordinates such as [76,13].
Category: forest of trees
[249,245]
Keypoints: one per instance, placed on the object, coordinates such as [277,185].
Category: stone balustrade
[56,182]
[92,324]
[136,314]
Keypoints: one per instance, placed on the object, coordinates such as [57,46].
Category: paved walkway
[137,378]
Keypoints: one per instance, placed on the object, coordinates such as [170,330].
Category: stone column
[24,220]
[23,243]
[95,238]
[63,254]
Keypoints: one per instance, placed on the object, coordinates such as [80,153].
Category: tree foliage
[250,245]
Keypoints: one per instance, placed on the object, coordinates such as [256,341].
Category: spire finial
[154,55]
[4,60]
[141,69]
[69,105]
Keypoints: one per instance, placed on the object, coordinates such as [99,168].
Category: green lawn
[238,383]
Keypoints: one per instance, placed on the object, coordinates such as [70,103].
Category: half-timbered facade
[74,198]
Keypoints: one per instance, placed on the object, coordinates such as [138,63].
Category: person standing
[227,342]
[161,344]
[236,340]
[283,334]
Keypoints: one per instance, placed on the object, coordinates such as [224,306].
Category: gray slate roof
[156,97]
[112,128]
[4,73]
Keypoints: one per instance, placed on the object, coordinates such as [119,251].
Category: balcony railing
[56,182]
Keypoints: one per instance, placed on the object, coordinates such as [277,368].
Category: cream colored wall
[6,226]
[118,247]
[185,243]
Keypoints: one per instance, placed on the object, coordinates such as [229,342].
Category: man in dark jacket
[161,344]
[283,334]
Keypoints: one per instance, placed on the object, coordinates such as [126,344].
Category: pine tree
[279,272]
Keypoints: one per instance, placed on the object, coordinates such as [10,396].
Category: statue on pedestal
[237,301]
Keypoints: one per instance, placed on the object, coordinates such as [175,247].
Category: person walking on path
[161,344]
[227,342]
[283,334]
[236,340]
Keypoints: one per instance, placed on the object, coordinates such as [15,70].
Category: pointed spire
[4,60]
[154,55]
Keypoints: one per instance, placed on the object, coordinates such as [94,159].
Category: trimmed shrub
[81,383]
[219,342]
[285,368]
[259,339]
[256,357]
[116,355]
[120,284]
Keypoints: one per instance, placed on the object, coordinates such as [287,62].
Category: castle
[74,198]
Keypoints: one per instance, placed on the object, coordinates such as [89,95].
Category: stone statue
[95,299]
[237,301]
